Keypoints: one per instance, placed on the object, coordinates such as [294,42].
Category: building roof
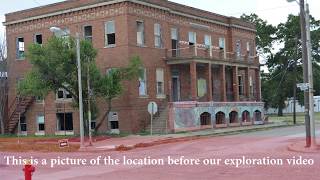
[76,5]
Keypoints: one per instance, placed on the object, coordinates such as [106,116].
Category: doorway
[175,88]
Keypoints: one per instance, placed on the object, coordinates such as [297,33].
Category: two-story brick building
[200,67]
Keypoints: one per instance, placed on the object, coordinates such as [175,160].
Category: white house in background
[299,108]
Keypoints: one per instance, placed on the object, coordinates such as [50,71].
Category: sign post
[152,109]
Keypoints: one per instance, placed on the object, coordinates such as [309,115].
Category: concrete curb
[165,139]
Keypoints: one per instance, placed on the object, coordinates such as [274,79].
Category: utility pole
[305,71]
[310,79]
[295,82]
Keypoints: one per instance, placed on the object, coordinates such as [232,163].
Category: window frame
[86,37]
[144,80]
[20,54]
[143,40]
[106,33]
[208,39]
[160,90]
[35,38]
[37,121]
[157,35]
[194,38]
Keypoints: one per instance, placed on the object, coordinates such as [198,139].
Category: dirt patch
[41,144]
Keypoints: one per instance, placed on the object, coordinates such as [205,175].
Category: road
[270,146]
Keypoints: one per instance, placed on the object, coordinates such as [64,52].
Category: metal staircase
[18,107]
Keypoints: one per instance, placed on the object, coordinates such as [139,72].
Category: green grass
[288,118]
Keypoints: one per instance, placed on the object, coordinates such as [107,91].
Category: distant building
[299,108]
[200,67]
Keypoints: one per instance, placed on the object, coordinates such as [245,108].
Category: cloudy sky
[274,11]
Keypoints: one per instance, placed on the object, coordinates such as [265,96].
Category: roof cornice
[133,1]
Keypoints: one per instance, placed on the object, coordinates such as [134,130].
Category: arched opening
[245,116]
[257,116]
[233,116]
[205,119]
[220,118]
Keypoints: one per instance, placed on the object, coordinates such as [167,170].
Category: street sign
[152,108]
[63,143]
[303,86]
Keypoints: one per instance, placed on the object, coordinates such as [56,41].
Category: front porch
[192,115]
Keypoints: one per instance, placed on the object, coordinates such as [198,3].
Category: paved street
[271,144]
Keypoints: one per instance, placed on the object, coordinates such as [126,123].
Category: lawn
[288,118]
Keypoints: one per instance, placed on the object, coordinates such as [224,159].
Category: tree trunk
[280,111]
[105,116]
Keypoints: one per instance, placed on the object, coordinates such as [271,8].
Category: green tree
[54,66]
[3,84]
[284,65]
[110,85]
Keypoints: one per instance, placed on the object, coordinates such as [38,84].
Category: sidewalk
[133,141]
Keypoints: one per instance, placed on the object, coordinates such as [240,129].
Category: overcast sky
[274,11]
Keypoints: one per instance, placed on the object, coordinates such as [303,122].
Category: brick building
[200,67]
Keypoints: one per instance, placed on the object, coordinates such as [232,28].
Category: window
[114,120]
[140,33]
[143,84]
[40,123]
[38,38]
[221,43]
[87,32]
[207,41]
[240,85]
[63,94]
[248,48]
[192,38]
[160,81]
[110,33]
[238,48]
[251,86]
[64,122]
[222,46]
[39,99]
[174,41]
[23,124]
[202,87]
[157,36]
[20,48]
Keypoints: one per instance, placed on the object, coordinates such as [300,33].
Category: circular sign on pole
[152,108]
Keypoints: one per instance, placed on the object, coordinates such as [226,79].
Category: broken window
[207,41]
[174,41]
[63,94]
[114,122]
[143,83]
[140,33]
[20,48]
[222,46]
[40,123]
[38,38]
[160,81]
[64,122]
[192,38]
[110,33]
[241,85]
[88,33]
[23,123]
[157,35]
[238,48]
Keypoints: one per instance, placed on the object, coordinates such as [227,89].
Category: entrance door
[175,88]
